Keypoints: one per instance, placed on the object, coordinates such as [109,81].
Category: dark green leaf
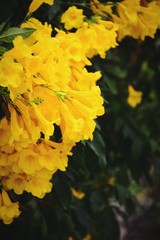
[62,189]
[9,35]
[99,148]
[122,193]
[137,148]
[111,84]
[97,203]
[2,50]
[2,26]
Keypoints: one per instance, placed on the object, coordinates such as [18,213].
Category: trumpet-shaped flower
[72,18]
[17,182]
[101,9]
[37,3]
[136,20]
[11,74]
[135,97]
[38,186]
[103,38]
[8,210]
[49,87]
[77,193]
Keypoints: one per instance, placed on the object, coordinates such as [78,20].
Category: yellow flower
[52,157]
[101,9]
[11,73]
[84,80]
[72,48]
[72,18]
[78,114]
[48,85]
[135,97]
[41,113]
[16,182]
[28,160]
[31,131]
[87,237]
[104,34]
[136,20]
[8,210]
[111,181]
[4,132]
[154,6]
[70,238]
[38,186]
[37,3]
[77,194]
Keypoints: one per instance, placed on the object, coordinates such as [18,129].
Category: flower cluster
[134,18]
[95,34]
[49,102]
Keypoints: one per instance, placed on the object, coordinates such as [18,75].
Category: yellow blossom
[78,114]
[111,181]
[16,182]
[87,237]
[8,210]
[101,8]
[104,34]
[4,132]
[38,186]
[135,97]
[49,87]
[72,18]
[77,194]
[53,156]
[28,161]
[37,3]
[136,20]
[11,73]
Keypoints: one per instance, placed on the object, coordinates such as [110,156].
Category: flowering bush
[52,57]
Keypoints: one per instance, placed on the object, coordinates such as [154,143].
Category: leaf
[62,189]
[97,202]
[154,145]
[107,225]
[54,9]
[111,84]
[9,35]
[2,50]
[122,193]
[137,148]
[2,26]
[116,71]
[128,132]
[99,148]
[84,217]
[156,163]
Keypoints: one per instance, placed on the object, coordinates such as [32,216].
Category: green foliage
[9,35]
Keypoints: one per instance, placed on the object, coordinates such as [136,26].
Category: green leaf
[97,202]
[9,35]
[99,148]
[2,50]
[122,193]
[111,84]
[62,189]
[107,225]
[2,26]
[137,148]
[154,145]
